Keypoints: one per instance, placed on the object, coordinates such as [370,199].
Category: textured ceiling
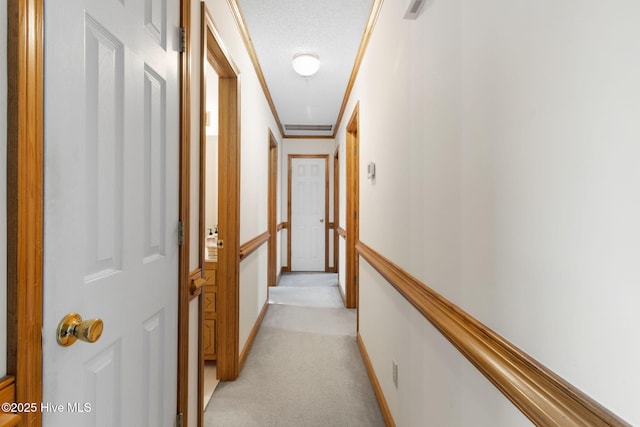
[331,29]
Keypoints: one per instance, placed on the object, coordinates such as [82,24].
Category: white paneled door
[111,210]
[308,207]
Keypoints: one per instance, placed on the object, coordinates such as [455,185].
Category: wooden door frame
[352,208]
[272,211]
[326,205]
[336,210]
[228,324]
[182,404]
[25,174]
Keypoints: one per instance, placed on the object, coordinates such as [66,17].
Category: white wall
[3,191]
[303,146]
[506,143]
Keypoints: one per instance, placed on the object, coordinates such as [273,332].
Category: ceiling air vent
[414,9]
[324,128]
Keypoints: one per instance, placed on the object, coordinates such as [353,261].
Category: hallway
[304,368]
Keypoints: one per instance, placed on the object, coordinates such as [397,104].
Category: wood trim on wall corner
[252,335]
[283,226]
[384,407]
[249,247]
[542,396]
[341,232]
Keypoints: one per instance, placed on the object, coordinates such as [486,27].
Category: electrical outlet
[395,373]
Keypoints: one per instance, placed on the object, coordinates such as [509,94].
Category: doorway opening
[209,168]
[352,208]
[219,214]
[272,211]
[336,211]
[228,218]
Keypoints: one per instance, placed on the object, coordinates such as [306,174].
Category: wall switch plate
[395,373]
[371,170]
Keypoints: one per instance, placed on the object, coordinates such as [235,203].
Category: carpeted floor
[304,369]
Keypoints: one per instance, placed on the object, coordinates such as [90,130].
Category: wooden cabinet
[209,327]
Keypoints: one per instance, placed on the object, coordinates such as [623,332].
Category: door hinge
[183,40]
[179,420]
[180,233]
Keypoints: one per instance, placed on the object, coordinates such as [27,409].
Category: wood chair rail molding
[341,232]
[542,396]
[249,247]
[283,226]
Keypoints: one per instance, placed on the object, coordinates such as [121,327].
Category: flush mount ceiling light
[306,64]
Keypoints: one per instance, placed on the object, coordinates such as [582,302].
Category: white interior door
[307,214]
[111,210]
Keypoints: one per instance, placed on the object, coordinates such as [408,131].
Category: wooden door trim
[326,205]
[228,334]
[25,174]
[336,210]
[184,280]
[272,212]
[352,208]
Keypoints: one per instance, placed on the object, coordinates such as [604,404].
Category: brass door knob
[321,219]
[72,328]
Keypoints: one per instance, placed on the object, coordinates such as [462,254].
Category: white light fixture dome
[306,64]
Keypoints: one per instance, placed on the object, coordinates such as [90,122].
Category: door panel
[111,210]
[308,208]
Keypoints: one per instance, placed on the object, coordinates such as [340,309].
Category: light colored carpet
[308,290]
[304,369]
